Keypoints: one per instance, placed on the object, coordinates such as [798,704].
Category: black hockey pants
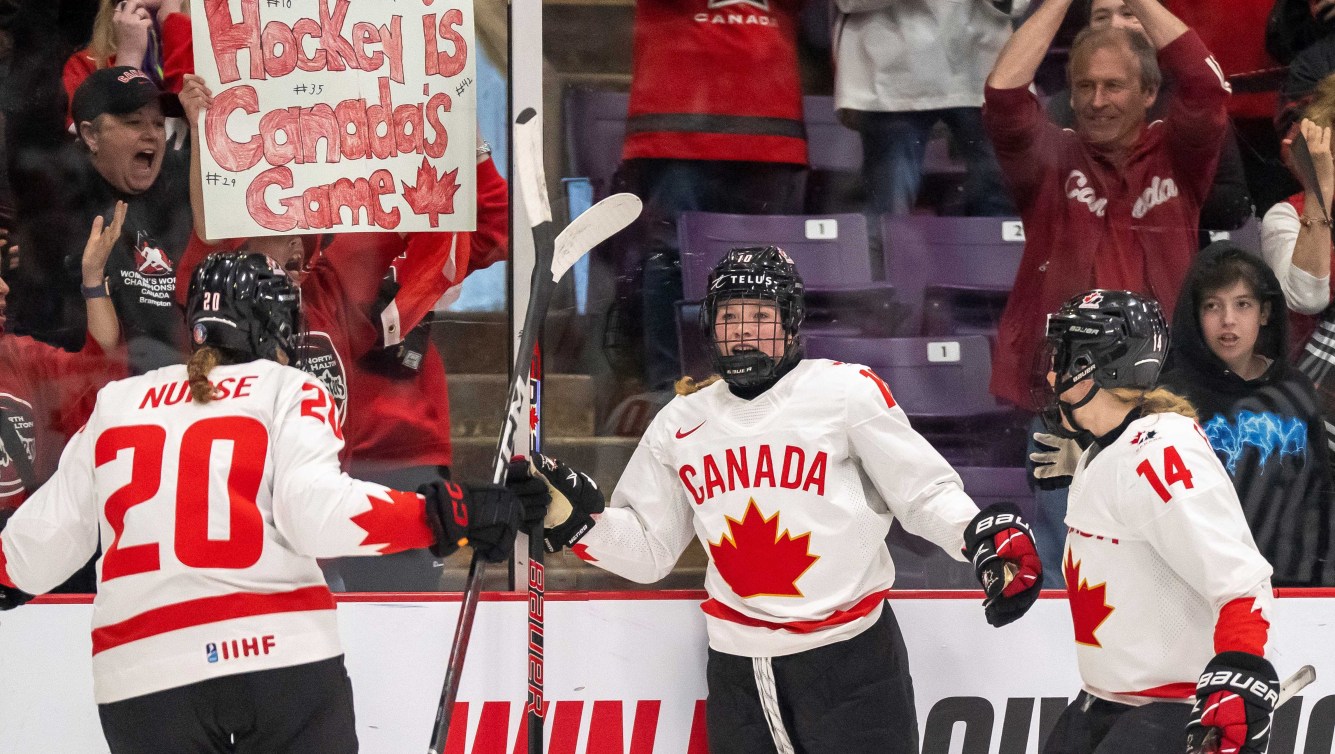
[303,709]
[852,696]
[1090,725]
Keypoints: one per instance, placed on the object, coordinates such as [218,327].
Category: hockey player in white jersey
[1170,599]
[212,488]
[790,471]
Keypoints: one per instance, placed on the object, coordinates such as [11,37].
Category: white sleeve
[1304,292]
[321,511]
[55,531]
[918,485]
[1199,529]
[646,525]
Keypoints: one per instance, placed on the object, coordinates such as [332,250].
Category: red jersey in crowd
[716,80]
[1237,39]
[177,49]
[402,421]
[1091,224]
[46,394]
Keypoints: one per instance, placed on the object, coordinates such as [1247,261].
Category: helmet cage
[763,277]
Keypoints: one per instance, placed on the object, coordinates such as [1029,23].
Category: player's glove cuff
[575,500]
[446,514]
[1236,695]
[1005,561]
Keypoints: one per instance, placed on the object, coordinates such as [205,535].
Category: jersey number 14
[1174,471]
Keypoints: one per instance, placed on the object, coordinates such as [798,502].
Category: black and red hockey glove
[485,516]
[1005,560]
[1235,697]
[575,500]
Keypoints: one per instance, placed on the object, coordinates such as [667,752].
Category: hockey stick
[1287,690]
[553,260]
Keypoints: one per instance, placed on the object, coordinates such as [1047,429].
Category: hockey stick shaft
[1287,690]
[544,278]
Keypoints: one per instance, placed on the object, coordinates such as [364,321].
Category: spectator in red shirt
[1113,203]
[151,35]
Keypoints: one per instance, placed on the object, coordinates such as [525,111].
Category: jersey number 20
[193,547]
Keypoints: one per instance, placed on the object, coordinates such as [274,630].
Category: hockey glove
[530,488]
[1005,560]
[11,597]
[1235,697]
[575,500]
[1054,460]
[484,516]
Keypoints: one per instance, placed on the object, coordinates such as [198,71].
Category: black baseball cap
[119,90]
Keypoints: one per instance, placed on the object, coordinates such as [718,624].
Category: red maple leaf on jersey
[582,552]
[1089,605]
[434,194]
[756,560]
[396,524]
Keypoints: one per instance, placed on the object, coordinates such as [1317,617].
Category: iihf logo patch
[1091,300]
[211,652]
[200,333]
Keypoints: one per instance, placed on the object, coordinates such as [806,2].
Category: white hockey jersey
[792,495]
[210,518]
[1161,569]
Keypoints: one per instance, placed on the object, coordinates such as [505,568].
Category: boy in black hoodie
[1259,412]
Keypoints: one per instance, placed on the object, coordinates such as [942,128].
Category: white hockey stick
[1287,690]
[553,260]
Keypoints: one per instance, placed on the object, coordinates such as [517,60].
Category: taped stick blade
[529,172]
[595,225]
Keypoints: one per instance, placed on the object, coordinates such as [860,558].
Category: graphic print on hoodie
[1267,431]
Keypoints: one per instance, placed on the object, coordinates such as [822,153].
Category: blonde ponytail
[1157,401]
[687,385]
[201,363]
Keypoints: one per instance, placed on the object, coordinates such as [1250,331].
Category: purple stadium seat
[1248,236]
[831,252]
[963,267]
[595,126]
[919,564]
[931,378]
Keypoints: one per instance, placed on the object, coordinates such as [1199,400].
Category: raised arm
[1161,26]
[1311,252]
[195,100]
[1024,51]
[103,325]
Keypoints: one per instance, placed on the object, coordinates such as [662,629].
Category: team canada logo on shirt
[756,560]
[1144,436]
[150,260]
[1078,188]
[1159,191]
[19,414]
[727,12]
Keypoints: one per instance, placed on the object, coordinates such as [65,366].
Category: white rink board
[647,653]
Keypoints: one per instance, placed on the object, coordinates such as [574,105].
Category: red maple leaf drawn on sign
[756,560]
[434,194]
[394,524]
[1089,605]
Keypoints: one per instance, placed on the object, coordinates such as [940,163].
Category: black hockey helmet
[246,306]
[1116,338]
[762,274]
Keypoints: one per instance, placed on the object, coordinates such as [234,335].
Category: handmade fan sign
[330,116]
